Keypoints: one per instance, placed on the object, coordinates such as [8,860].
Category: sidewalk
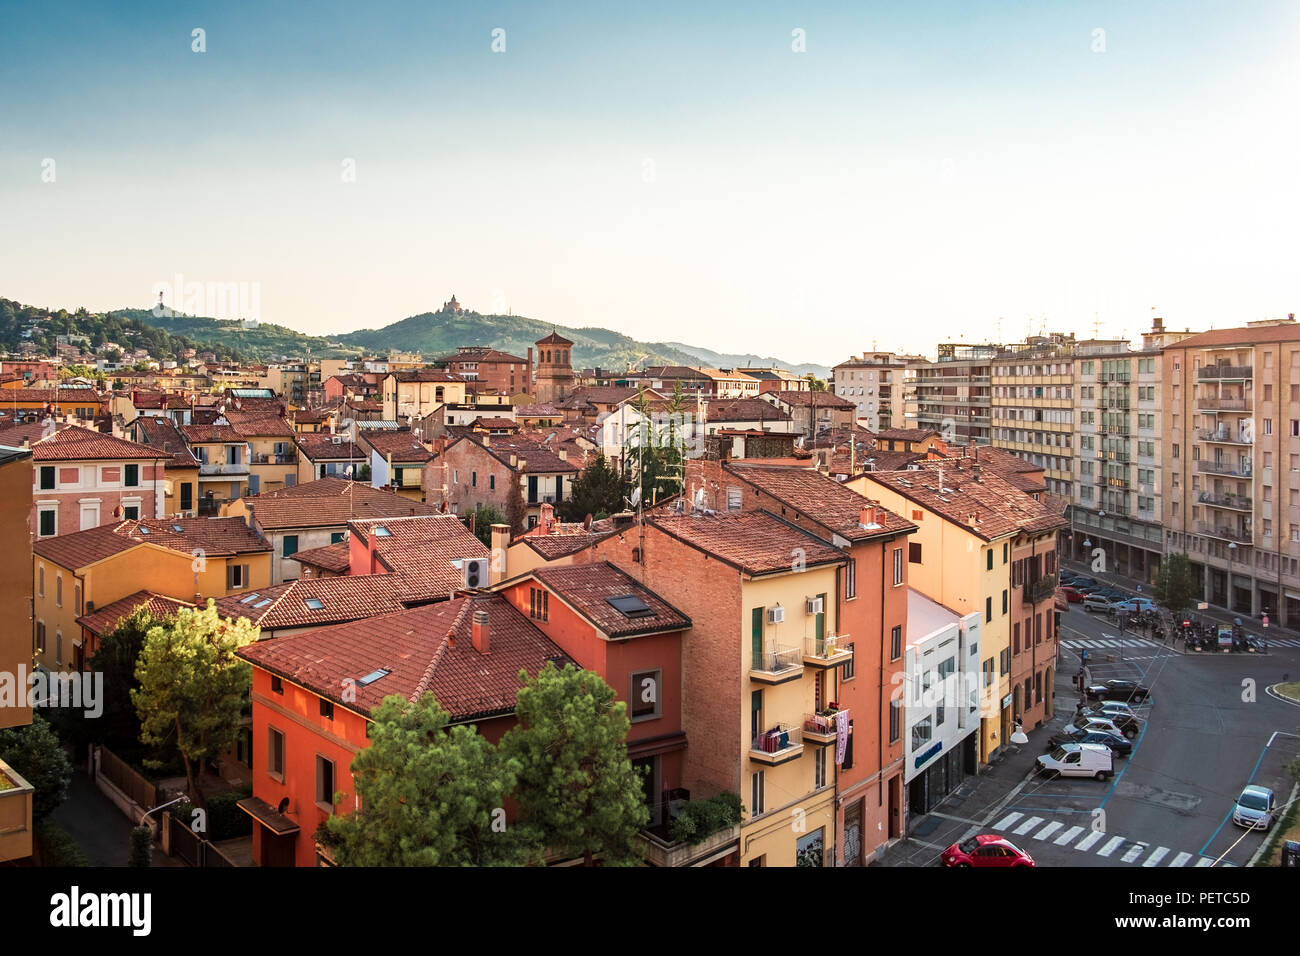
[98,825]
[1222,615]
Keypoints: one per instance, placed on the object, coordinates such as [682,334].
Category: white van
[1079,760]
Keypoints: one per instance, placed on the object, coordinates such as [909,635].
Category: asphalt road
[1210,728]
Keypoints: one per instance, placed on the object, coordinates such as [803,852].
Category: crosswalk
[1115,849]
[1099,643]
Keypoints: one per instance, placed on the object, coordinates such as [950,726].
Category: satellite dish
[636,496]
[699,498]
[284,805]
[586,523]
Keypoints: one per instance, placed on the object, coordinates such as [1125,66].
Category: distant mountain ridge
[739,362]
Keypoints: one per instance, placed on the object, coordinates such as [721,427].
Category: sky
[802,180]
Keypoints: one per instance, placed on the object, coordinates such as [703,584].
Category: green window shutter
[821,626]
[132,476]
[290,545]
[756,636]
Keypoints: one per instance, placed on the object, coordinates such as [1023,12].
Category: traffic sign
[1139,589]
[1266,620]
[1202,606]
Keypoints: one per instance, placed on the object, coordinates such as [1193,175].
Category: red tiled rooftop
[329,502]
[74,443]
[821,499]
[341,599]
[587,587]
[105,620]
[751,541]
[215,536]
[331,557]
[989,508]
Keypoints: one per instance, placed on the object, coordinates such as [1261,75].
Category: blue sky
[923,172]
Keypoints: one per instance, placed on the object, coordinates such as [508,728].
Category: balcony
[829,651]
[1116,402]
[1240,469]
[1225,436]
[16,821]
[1113,454]
[1214,404]
[1239,534]
[1118,378]
[218,469]
[285,458]
[1226,372]
[776,665]
[1235,502]
[820,728]
[1041,590]
[777,746]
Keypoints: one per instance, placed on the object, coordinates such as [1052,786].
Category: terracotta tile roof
[74,443]
[313,415]
[906,434]
[553,546]
[366,405]
[422,549]
[402,445]
[87,396]
[216,536]
[554,338]
[1262,334]
[538,458]
[821,499]
[584,395]
[413,647]
[341,599]
[329,503]
[587,587]
[482,355]
[163,435]
[743,410]
[211,433]
[811,399]
[426,375]
[332,557]
[320,446]
[495,422]
[260,424]
[104,620]
[752,541]
[988,508]
[538,410]
[887,460]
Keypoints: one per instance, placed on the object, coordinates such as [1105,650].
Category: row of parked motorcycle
[1205,638]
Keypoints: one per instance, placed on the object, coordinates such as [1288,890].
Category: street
[1208,729]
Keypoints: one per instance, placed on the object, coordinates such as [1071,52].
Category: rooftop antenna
[1096,325]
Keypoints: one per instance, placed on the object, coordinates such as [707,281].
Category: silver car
[1255,808]
[1089,723]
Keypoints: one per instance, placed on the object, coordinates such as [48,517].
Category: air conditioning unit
[476,572]
[814,605]
[775,615]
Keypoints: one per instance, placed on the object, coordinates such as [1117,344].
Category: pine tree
[599,491]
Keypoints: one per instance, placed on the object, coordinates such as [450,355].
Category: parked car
[1082,582]
[1098,602]
[1118,690]
[1071,595]
[1115,594]
[1255,808]
[1116,743]
[1079,760]
[986,849]
[1117,712]
[1087,724]
[1139,605]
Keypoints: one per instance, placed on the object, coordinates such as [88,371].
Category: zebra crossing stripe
[1086,843]
[1204,861]
[1155,858]
[1067,836]
[1111,846]
[1048,830]
[1134,852]
[1007,821]
[1181,859]
[1027,826]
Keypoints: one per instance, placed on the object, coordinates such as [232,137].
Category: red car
[987,849]
[1071,595]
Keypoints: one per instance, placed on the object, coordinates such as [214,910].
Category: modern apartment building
[1033,406]
[954,395]
[873,381]
[1231,423]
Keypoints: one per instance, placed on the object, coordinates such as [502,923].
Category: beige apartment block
[1231,422]
[874,382]
[954,394]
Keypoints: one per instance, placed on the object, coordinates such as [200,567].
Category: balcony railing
[821,728]
[1118,402]
[829,651]
[1115,377]
[223,468]
[1222,404]
[285,458]
[1213,467]
[777,664]
[1113,454]
[1226,371]
[1041,590]
[1225,436]
[777,745]
[1238,534]
[1236,502]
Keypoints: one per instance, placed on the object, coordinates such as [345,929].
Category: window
[275,753]
[1268,426]
[922,731]
[539,604]
[988,607]
[896,643]
[324,783]
[819,768]
[988,672]
[1015,638]
[644,696]
[131,512]
[735,499]
[47,477]
[58,647]
[76,597]
[473,479]
[327,709]
[1004,600]
[290,545]
[277,685]
[40,580]
[58,590]
[1006,551]
[989,562]
[1005,662]
[236,576]
[337,537]
[895,706]
[132,476]
[898,566]
[914,552]
[49,522]
[756,794]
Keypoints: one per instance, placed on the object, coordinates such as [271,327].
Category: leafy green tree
[818,384]
[192,686]
[431,795]
[1174,588]
[485,516]
[38,756]
[658,449]
[578,791]
[599,491]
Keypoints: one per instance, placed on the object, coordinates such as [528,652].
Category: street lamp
[1018,735]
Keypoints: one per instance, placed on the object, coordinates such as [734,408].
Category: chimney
[500,542]
[451,640]
[481,632]
[970,450]
[250,514]
[975,472]
[487,440]
[563,453]
[514,461]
